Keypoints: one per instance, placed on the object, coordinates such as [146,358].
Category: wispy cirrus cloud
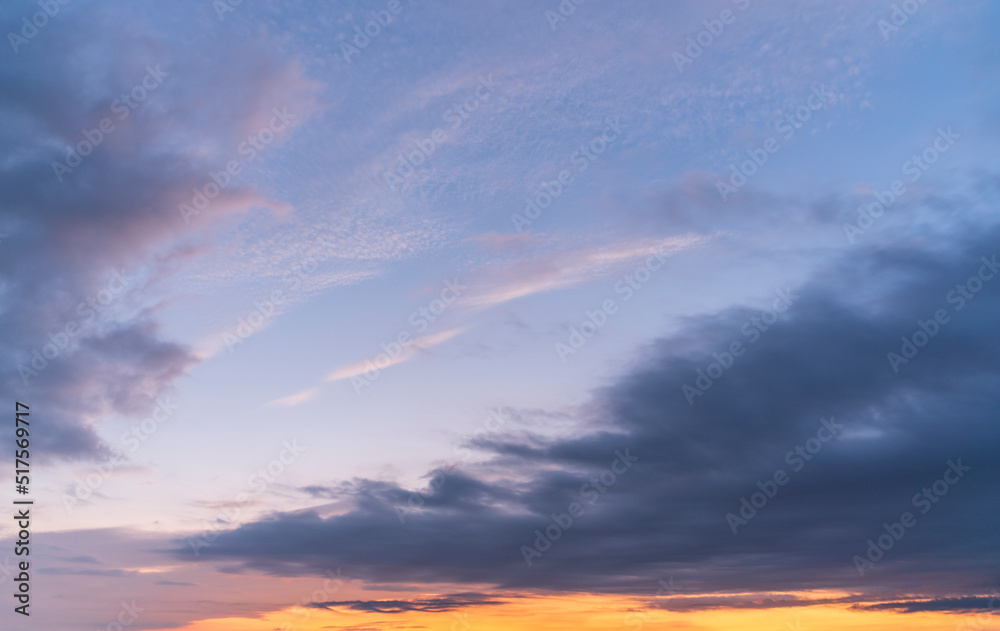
[409,350]
[508,280]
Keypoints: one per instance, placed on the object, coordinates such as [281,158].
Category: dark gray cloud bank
[895,433]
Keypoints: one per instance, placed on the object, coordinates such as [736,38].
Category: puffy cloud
[826,357]
[89,242]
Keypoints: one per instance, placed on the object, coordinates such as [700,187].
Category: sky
[409,314]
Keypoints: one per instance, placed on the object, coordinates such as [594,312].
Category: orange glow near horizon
[592,612]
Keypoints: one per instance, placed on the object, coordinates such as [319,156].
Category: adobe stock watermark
[926,329]
[331,585]
[582,158]
[127,616]
[592,492]
[420,320]
[752,328]
[222,7]
[626,287]
[257,482]
[980,620]
[415,499]
[796,459]
[638,619]
[122,106]
[262,312]
[565,9]
[131,440]
[264,309]
[250,148]
[364,35]
[30,28]
[88,310]
[458,113]
[924,500]
[915,167]
[786,126]
[460,622]
[795,625]
[899,16]
[707,36]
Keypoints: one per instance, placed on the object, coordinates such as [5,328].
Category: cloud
[408,352]
[86,251]
[297,398]
[496,284]
[82,572]
[509,241]
[508,281]
[436,604]
[966,604]
[825,357]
